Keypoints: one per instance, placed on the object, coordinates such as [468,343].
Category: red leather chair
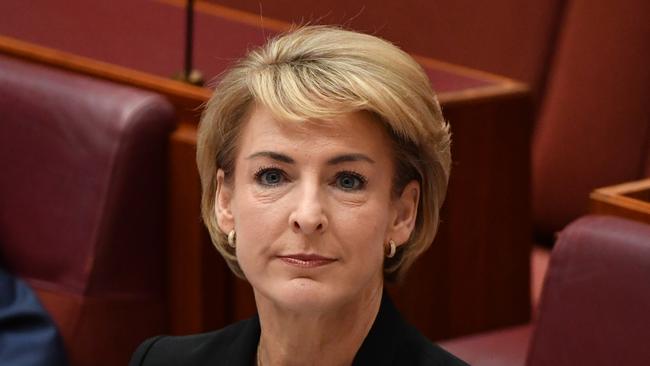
[594,308]
[82,210]
[594,126]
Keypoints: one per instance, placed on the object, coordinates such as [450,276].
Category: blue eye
[269,177]
[349,181]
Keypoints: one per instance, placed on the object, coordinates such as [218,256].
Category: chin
[306,295]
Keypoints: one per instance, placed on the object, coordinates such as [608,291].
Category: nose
[308,216]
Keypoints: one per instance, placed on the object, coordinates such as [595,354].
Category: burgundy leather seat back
[596,300]
[594,125]
[82,204]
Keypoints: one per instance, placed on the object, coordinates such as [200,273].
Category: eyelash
[362,180]
[263,170]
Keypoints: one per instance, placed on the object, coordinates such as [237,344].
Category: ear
[406,211]
[222,206]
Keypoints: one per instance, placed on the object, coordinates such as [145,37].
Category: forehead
[350,132]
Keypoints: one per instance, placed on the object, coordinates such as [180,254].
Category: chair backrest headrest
[595,306]
[82,188]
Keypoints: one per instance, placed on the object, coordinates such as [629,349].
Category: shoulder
[27,333]
[418,350]
[196,349]
[392,341]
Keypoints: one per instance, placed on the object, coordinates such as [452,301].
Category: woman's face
[312,208]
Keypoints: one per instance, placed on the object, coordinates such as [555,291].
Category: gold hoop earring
[392,248]
[232,238]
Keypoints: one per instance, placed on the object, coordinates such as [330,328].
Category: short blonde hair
[320,72]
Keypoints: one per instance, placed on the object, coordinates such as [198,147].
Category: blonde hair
[320,72]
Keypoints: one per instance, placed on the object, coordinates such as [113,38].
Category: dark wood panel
[197,277]
[476,274]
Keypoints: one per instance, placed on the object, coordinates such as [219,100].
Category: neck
[328,337]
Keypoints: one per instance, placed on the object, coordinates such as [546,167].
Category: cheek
[258,212]
[258,224]
[363,230]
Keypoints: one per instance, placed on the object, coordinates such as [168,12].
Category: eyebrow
[333,161]
[349,157]
[272,155]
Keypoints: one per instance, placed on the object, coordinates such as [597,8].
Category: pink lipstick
[306,260]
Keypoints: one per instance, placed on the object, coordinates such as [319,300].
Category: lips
[306,260]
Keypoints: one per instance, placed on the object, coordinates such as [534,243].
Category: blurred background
[548,102]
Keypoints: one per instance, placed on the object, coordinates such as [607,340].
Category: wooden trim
[624,188]
[190,97]
[473,95]
[616,196]
[236,15]
[186,95]
[465,71]
[263,22]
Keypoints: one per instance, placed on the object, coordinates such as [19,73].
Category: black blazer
[391,341]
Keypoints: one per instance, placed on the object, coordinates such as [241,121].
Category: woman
[324,160]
